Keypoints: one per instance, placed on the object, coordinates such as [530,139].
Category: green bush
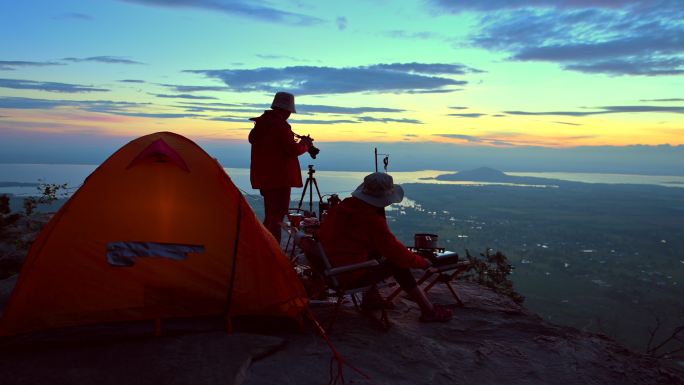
[492,271]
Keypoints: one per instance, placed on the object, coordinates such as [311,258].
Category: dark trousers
[276,205]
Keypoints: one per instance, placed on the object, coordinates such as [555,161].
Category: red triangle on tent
[159,151]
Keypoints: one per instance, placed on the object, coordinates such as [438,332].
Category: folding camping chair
[321,266]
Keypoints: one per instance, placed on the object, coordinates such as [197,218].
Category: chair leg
[335,313]
[453,292]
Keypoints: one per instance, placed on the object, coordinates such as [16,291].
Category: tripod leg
[315,182]
[301,199]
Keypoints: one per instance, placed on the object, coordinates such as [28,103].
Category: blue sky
[499,76]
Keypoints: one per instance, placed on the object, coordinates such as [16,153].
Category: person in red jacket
[356,230]
[274,167]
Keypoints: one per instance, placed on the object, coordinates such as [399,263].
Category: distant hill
[18,184]
[490,175]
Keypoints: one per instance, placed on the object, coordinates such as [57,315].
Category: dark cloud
[610,37]
[458,108]
[233,119]
[429,68]
[10,65]
[103,59]
[99,106]
[389,120]
[468,115]
[496,5]
[184,96]
[242,8]
[445,91]
[498,115]
[341,23]
[131,81]
[309,80]
[47,86]
[411,135]
[74,16]
[568,123]
[630,67]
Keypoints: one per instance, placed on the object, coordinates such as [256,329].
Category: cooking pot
[426,241]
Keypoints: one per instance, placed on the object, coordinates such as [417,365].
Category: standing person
[356,230]
[274,167]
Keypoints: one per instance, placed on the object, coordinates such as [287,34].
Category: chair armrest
[356,266]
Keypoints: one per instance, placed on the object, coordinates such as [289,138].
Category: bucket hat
[284,100]
[378,189]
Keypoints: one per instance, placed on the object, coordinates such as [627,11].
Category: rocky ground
[491,340]
[17,232]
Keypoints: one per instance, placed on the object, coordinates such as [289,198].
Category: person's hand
[306,140]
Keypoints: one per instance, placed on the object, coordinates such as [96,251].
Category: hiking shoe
[439,314]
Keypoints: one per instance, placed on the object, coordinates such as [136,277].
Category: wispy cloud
[606,110]
[468,115]
[611,37]
[341,22]
[74,16]
[513,139]
[285,57]
[389,120]
[663,100]
[568,123]
[323,121]
[477,139]
[131,81]
[422,35]
[310,80]
[182,88]
[159,115]
[326,109]
[47,86]
[184,96]
[242,8]
[103,59]
[10,65]
[107,106]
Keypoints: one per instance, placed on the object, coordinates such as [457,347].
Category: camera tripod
[310,184]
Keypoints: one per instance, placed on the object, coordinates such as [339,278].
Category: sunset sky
[502,73]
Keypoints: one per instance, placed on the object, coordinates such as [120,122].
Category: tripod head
[311,171]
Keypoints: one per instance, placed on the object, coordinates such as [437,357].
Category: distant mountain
[490,175]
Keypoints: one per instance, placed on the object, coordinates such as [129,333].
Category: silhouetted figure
[275,167]
[356,230]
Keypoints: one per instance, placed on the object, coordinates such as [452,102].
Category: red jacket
[274,153]
[355,231]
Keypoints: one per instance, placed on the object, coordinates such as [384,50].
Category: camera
[313,150]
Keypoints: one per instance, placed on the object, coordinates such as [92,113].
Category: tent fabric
[157,231]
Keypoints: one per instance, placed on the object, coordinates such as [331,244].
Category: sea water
[329,182]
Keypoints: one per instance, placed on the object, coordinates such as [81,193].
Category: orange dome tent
[157,231]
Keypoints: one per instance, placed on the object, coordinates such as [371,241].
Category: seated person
[356,230]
